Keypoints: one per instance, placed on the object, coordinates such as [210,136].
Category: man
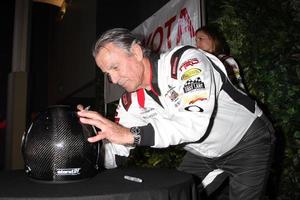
[183,97]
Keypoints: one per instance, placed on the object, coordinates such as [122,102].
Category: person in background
[210,39]
[182,97]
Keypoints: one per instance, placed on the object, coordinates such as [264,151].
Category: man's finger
[92,122]
[89,114]
[96,138]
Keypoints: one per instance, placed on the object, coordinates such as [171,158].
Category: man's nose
[112,78]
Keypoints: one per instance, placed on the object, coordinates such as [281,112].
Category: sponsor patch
[68,171]
[175,60]
[194,98]
[193,108]
[197,99]
[188,63]
[191,85]
[148,113]
[174,64]
[126,100]
[190,73]
[171,94]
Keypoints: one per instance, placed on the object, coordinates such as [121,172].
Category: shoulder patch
[126,100]
[175,60]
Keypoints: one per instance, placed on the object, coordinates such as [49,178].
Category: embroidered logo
[194,98]
[190,73]
[191,85]
[193,108]
[148,113]
[197,99]
[171,93]
[126,100]
[190,62]
[68,171]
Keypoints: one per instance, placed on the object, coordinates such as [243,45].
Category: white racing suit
[192,102]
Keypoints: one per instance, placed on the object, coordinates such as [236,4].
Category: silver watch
[136,132]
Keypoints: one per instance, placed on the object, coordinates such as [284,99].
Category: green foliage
[156,158]
[264,37]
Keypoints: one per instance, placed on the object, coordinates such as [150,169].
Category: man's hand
[111,131]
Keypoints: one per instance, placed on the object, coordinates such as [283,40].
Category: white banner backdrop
[172,25]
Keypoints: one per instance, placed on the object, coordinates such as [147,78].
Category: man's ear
[137,51]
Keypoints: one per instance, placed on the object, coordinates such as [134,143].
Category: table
[158,184]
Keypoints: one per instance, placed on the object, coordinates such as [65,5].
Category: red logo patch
[126,100]
[188,63]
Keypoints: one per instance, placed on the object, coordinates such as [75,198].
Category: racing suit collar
[154,70]
[155,91]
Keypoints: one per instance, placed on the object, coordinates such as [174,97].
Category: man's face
[124,69]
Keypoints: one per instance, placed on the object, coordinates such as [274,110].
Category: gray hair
[120,37]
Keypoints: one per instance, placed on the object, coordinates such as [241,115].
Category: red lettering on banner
[184,25]
[148,40]
[184,15]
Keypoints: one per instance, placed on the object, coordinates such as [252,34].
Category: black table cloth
[158,184]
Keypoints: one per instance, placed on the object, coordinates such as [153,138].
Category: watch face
[135,130]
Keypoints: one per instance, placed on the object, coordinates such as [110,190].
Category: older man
[183,97]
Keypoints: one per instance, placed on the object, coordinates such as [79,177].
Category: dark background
[6,22]
[61,67]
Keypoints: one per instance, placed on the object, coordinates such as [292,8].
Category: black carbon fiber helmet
[55,147]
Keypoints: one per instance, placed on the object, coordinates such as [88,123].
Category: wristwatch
[136,132]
